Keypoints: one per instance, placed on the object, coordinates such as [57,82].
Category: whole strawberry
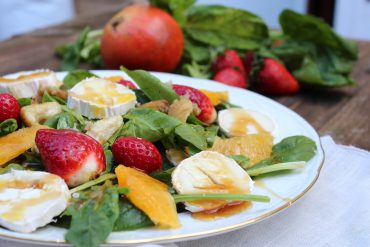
[127,83]
[9,108]
[70,154]
[274,78]
[137,153]
[231,77]
[230,59]
[207,112]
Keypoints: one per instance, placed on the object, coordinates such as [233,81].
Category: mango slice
[149,195]
[18,142]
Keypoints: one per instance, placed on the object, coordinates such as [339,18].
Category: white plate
[283,189]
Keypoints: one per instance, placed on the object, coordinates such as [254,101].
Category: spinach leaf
[177,8]
[24,101]
[93,220]
[242,160]
[109,160]
[75,76]
[164,176]
[152,87]
[148,124]
[8,126]
[12,166]
[140,96]
[46,97]
[193,134]
[130,217]
[316,31]
[223,26]
[64,120]
[290,149]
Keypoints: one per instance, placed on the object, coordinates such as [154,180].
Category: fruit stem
[88,184]
[231,197]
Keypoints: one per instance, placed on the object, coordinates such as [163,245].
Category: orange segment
[257,147]
[149,195]
[113,78]
[18,142]
[216,97]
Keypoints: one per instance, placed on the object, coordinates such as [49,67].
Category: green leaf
[177,8]
[242,160]
[164,176]
[24,101]
[223,26]
[152,87]
[196,70]
[109,160]
[46,97]
[193,134]
[140,96]
[12,166]
[64,120]
[93,221]
[148,124]
[130,217]
[290,149]
[317,32]
[277,167]
[230,197]
[8,126]
[75,76]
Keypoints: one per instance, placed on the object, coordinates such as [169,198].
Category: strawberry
[127,83]
[248,62]
[137,153]
[72,155]
[231,77]
[274,78]
[230,59]
[207,112]
[9,108]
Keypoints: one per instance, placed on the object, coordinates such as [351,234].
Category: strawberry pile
[265,75]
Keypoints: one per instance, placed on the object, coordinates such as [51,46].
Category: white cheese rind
[29,87]
[31,199]
[98,111]
[210,172]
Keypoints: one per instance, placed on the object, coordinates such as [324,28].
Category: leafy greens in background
[8,126]
[309,48]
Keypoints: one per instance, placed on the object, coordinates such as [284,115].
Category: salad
[97,155]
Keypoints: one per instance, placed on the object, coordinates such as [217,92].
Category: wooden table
[342,113]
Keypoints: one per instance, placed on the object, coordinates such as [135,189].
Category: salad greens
[24,101]
[8,126]
[316,56]
[75,76]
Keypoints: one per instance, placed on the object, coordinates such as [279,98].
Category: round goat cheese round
[242,122]
[31,199]
[100,98]
[213,173]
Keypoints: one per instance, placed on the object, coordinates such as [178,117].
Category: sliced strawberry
[137,153]
[230,59]
[127,83]
[9,108]
[274,78]
[70,154]
[231,77]
[207,112]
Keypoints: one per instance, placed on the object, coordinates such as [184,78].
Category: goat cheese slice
[31,199]
[28,84]
[100,98]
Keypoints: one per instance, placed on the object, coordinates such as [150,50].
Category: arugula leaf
[75,76]
[46,97]
[24,101]
[12,166]
[290,149]
[8,126]
[93,221]
[152,87]
[223,26]
[148,124]
[316,31]
[130,217]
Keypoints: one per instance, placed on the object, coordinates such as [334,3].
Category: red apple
[142,37]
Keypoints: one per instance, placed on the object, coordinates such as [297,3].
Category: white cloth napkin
[335,212]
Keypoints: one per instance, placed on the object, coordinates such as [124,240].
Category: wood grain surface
[342,113]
